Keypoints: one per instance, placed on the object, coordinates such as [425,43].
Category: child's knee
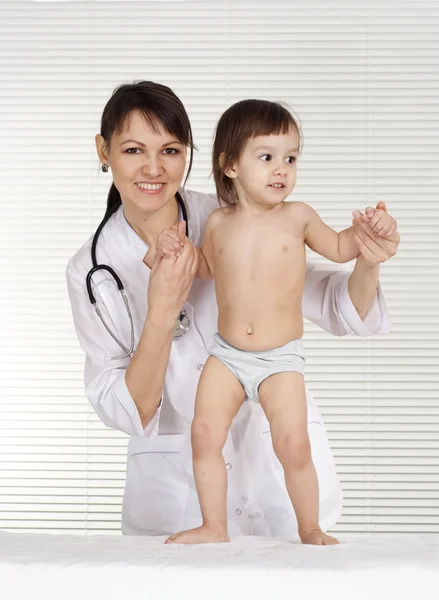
[206,436]
[292,449]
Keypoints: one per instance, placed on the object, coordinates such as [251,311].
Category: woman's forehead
[138,124]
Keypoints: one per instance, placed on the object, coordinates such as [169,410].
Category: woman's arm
[145,375]
[362,285]
[169,285]
[126,393]
[374,249]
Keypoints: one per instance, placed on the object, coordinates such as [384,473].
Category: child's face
[266,170]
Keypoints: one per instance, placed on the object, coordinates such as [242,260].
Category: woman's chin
[152,202]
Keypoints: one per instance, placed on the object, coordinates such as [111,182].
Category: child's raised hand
[381,223]
[171,241]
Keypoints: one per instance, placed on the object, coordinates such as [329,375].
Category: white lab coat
[160,496]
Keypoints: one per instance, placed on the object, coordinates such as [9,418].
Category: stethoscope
[182,324]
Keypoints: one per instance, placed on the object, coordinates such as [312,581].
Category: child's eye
[292,159]
[266,157]
[132,150]
[171,151]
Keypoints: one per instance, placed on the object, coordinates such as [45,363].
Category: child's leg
[219,397]
[283,398]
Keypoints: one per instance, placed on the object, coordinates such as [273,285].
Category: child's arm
[342,247]
[204,270]
[338,247]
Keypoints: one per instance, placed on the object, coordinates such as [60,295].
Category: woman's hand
[375,234]
[170,282]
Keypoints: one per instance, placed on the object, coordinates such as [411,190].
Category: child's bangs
[272,119]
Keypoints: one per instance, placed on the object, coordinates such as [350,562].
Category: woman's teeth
[151,187]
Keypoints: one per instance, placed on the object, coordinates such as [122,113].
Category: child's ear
[231,171]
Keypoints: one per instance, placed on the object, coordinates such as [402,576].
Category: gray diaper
[251,368]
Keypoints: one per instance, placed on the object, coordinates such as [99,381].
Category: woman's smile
[150,188]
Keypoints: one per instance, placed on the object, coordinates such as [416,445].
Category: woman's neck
[149,225]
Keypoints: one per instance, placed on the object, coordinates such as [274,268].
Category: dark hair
[160,107]
[244,120]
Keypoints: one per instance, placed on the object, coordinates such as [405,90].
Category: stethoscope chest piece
[182,324]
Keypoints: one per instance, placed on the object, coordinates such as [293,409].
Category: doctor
[144,355]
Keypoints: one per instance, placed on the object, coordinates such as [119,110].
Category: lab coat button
[228,466]
[238,511]
[200,367]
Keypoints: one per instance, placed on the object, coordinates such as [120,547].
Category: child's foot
[317,538]
[200,535]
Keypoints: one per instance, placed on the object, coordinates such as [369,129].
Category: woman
[147,389]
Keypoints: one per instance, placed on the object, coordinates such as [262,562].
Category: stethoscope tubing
[182,324]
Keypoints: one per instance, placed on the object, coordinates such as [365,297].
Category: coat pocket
[157,486]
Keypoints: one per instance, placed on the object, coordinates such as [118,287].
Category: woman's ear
[101,149]
[231,171]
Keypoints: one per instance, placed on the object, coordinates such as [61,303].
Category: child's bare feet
[317,538]
[200,535]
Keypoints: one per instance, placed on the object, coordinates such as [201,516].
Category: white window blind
[363,77]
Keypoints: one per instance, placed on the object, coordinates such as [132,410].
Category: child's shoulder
[297,206]
[218,215]
[298,210]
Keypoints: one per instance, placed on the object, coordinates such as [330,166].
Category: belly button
[249,330]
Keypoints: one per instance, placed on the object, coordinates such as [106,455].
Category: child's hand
[381,223]
[171,241]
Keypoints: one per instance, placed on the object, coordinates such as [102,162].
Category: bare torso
[259,265]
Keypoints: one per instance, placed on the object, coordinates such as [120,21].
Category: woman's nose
[152,167]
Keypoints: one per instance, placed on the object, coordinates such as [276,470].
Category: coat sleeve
[326,302]
[105,385]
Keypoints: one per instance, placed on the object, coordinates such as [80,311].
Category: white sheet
[65,567]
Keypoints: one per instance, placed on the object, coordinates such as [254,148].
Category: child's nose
[281,170]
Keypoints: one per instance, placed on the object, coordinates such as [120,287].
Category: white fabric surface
[114,567]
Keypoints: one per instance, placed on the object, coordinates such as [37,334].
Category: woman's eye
[266,157]
[171,151]
[132,151]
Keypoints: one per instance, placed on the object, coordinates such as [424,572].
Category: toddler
[254,249]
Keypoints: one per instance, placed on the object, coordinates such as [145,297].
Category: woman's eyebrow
[144,145]
[132,142]
[172,143]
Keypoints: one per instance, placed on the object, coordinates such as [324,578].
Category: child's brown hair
[244,120]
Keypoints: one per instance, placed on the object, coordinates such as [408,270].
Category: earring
[104,168]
